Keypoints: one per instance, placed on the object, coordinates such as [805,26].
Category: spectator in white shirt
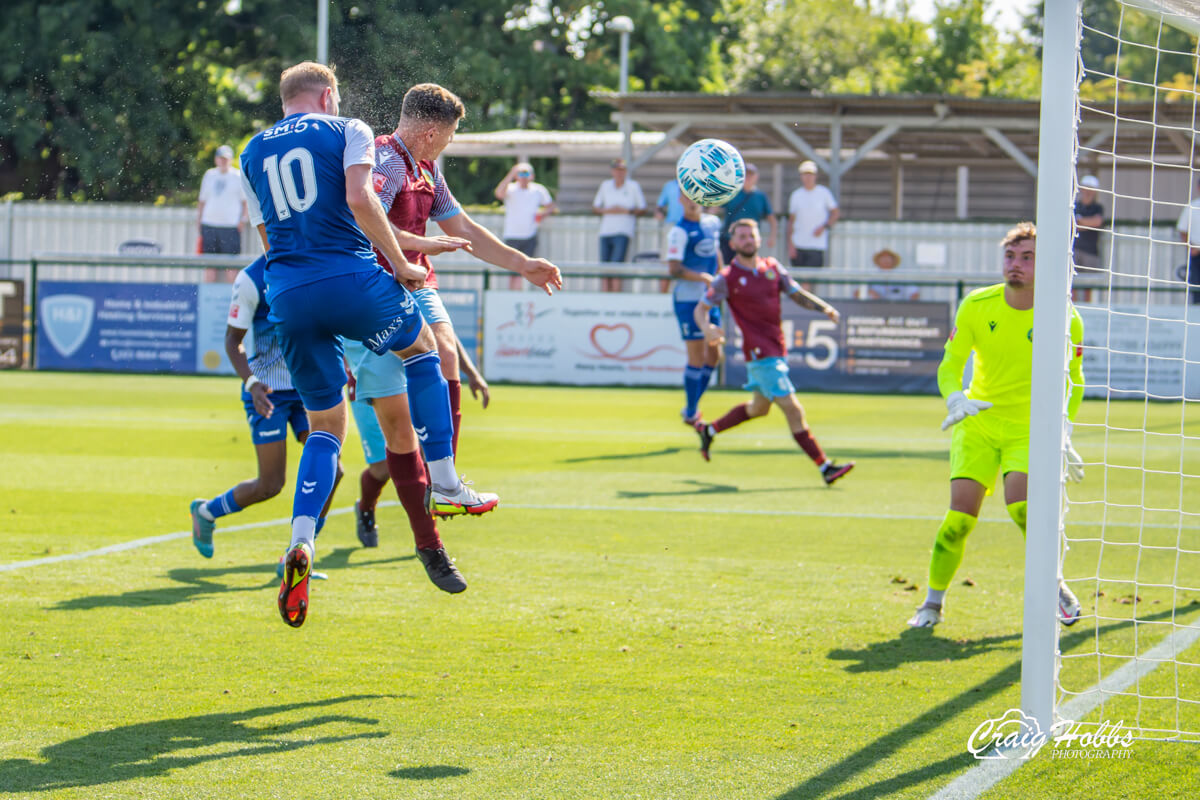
[812,212]
[619,201]
[1189,232]
[222,206]
[526,204]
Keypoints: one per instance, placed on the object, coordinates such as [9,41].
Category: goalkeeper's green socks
[1017,512]
[948,551]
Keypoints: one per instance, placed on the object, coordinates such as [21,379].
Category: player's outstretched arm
[485,246]
[806,299]
[368,213]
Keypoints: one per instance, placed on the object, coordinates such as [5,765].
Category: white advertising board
[585,338]
[1132,351]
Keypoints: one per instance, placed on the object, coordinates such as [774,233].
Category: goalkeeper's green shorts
[982,445]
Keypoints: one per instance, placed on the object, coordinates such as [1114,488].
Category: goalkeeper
[991,420]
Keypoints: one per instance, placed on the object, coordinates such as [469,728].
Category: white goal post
[1116,103]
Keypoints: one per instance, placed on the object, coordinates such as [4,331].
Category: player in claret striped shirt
[753,287]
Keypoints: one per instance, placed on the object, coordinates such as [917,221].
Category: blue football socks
[223,504]
[429,405]
[314,482]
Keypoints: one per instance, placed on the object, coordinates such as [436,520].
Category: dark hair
[428,102]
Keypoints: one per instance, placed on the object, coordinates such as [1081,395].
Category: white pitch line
[988,773]
[757,512]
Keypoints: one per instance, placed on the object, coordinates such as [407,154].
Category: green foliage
[118,100]
[1128,53]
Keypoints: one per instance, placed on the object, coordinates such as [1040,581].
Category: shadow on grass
[430,773]
[835,452]
[666,451]
[827,783]
[150,749]
[194,582]
[706,488]
[917,644]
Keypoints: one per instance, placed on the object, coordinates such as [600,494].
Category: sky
[1006,13]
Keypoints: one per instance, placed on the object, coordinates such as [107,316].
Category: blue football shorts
[769,377]
[370,435]
[370,307]
[383,375]
[289,410]
[687,323]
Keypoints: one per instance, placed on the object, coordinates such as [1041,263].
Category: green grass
[629,631]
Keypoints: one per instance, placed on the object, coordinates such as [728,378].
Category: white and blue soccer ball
[710,172]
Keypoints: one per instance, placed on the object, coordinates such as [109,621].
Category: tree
[117,100]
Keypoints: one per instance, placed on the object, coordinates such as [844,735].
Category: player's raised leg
[408,475]
[789,404]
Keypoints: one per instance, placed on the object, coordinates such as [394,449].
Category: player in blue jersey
[271,404]
[694,259]
[310,176]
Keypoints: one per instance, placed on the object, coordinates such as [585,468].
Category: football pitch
[639,623]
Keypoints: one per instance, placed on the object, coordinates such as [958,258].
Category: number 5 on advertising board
[816,338]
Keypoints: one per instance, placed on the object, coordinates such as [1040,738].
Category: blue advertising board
[154,327]
[127,327]
[463,307]
[877,346]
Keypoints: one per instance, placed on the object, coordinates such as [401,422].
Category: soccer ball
[710,172]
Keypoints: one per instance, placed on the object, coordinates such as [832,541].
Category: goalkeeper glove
[1074,461]
[960,407]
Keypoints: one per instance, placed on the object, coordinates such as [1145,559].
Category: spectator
[1189,232]
[749,203]
[526,204]
[618,201]
[1089,217]
[222,206]
[668,207]
[888,260]
[812,213]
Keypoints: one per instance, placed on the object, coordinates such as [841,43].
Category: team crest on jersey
[1029,334]
[426,174]
[378,180]
[770,274]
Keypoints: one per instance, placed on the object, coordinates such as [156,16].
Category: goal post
[1119,100]
[1055,223]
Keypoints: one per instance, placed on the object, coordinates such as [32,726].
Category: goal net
[1128,535]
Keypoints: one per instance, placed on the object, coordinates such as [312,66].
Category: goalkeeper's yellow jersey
[1002,338]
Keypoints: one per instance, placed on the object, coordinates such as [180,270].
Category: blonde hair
[308,76]
[1020,232]
[743,223]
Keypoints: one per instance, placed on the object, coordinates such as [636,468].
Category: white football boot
[928,615]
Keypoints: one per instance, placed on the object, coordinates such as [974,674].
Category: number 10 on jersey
[284,193]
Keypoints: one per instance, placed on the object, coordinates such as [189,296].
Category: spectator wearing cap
[749,203]
[221,210]
[526,204]
[1089,217]
[812,213]
[888,260]
[619,201]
